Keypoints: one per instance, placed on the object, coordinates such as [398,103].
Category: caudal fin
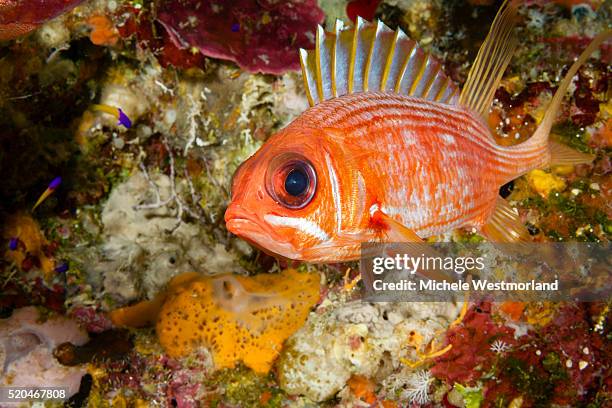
[537,151]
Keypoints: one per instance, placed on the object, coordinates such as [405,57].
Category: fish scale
[389,165]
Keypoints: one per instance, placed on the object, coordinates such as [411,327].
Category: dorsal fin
[372,57]
[491,62]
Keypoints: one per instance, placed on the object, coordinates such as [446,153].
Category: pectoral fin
[504,224]
[396,231]
[411,244]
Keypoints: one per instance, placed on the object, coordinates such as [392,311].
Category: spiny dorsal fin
[372,57]
[491,61]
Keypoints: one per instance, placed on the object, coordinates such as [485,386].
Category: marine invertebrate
[545,183]
[362,388]
[174,197]
[238,318]
[102,30]
[137,250]
[357,339]
[22,229]
[260,36]
[499,347]
[26,350]
[418,387]
[18,18]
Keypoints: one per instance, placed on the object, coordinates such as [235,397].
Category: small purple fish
[53,185]
[13,243]
[62,267]
[123,119]
[235,27]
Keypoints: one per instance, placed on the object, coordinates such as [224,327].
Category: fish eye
[296,182]
[291,181]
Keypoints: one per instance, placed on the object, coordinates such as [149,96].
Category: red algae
[471,354]
[362,8]
[260,36]
[149,34]
[18,18]
[563,362]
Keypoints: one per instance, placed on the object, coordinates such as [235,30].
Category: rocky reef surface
[102,284]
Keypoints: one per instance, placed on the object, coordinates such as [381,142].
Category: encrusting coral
[238,318]
[350,339]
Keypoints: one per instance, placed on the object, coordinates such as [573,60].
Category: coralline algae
[260,36]
[26,351]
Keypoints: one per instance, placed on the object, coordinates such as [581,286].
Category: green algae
[245,388]
[538,386]
[472,396]
[572,135]
[577,212]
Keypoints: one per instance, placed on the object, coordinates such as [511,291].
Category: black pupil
[296,182]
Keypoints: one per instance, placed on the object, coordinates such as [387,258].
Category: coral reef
[357,338]
[535,362]
[140,206]
[139,254]
[30,248]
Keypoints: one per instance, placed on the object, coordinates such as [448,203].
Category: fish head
[284,197]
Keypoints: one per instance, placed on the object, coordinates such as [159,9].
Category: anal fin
[504,224]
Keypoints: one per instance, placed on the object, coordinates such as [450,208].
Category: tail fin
[537,151]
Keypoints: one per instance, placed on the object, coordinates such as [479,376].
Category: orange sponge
[27,230]
[102,30]
[238,318]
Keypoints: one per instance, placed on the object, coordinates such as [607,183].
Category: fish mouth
[247,226]
[237,220]
[244,224]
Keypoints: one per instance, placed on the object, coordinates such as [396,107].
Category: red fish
[390,150]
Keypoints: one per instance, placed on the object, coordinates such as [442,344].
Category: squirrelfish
[390,149]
